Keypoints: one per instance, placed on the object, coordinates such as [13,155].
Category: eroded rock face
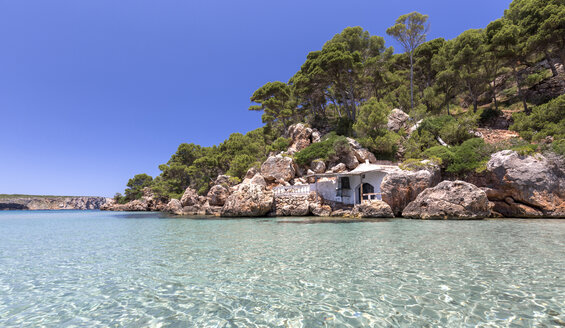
[296,205]
[277,168]
[318,166]
[319,209]
[225,180]
[373,209]
[191,198]
[217,195]
[526,186]
[363,155]
[250,173]
[397,120]
[338,168]
[449,200]
[400,187]
[174,206]
[300,136]
[248,200]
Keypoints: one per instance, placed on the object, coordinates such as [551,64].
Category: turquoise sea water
[102,269]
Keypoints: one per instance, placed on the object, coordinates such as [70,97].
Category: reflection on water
[100,269]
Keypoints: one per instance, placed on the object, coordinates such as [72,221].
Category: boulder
[363,155]
[397,120]
[372,209]
[225,180]
[250,173]
[292,205]
[449,200]
[257,179]
[526,186]
[319,209]
[300,137]
[338,168]
[316,136]
[344,213]
[400,187]
[278,168]
[191,198]
[174,206]
[217,195]
[318,166]
[248,200]
[354,144]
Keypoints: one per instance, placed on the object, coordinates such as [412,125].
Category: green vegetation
[331,145]
[350,85]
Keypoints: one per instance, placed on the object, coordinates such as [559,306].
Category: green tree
[504,37]
[467,54]
[136,185]
[371,128]
[275,100]
[410,30]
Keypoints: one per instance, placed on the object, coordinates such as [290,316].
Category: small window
[345,183]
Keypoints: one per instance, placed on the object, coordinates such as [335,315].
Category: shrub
[545,120]
[472,155]
[559,147]
[329,146]
[443,153]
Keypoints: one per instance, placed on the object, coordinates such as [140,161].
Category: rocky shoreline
[52,203]
[512,185]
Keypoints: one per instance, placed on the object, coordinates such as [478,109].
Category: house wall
[327,187]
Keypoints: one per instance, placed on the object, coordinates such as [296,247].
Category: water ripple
[76,269]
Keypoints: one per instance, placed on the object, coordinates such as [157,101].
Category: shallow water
[100,269]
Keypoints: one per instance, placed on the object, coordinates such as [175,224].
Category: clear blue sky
[95,91]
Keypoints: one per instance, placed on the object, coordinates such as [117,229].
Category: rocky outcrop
[318,166]
[217,195]
[525,186]
[174,206]
[292,205]
[52,203]
[319,209]
[449,200]
[248,200]
[278,168]
[300,136]
[191,198]
[372,209]
[400,187]
[147,202]
[398,120]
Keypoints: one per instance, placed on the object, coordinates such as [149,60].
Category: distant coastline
[49,202]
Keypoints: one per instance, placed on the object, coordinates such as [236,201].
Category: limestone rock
[397,120]
[191,198]
[174,206]
[225,180]
[316,136]
[278,168]
[248,200]
[250,173]
[363,155]
[372,209]
[338,168]
[300,136]
[345,213]
[449,200]
[217,195]
[293,205]
[318,166]
[526,186]
[400,187]
[257,179]
[319,209]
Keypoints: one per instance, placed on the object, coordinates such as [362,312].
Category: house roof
[361,169]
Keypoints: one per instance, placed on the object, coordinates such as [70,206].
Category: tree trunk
[494,94]
[551,66]
[411,80]
[447,103]
[520,93]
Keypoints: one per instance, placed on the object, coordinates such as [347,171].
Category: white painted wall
[326,187]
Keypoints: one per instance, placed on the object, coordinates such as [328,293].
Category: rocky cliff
[51,203]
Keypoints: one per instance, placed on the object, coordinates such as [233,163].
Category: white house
[363,183]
